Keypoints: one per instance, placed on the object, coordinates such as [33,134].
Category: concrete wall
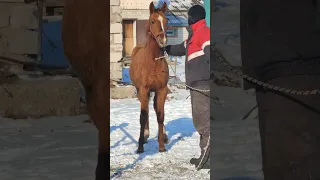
[17,24]
[116,39]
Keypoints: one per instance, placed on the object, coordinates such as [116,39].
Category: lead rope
[164,56]
[238,73]
[192,88]
[195,89]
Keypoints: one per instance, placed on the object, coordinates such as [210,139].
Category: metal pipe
[207,8]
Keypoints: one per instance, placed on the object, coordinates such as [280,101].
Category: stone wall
[39,97]
[141,14]
[17,24]
[116,39]
[42,97]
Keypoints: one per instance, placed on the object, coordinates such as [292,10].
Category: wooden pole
[175,69]
[40,16]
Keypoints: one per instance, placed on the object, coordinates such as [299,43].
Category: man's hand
[176,50]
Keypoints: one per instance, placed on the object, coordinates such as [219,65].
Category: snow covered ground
[236,143]
[55,148]
[173,164]
[65,148]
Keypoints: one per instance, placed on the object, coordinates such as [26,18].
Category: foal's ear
[151,8]
[164,7]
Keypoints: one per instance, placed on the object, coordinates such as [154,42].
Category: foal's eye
[152,22]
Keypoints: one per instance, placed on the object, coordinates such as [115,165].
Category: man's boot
[203,162]
[195,161]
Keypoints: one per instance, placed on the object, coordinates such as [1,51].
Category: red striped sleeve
[204,38]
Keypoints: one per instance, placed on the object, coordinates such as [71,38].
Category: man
[197,69]
[280,46]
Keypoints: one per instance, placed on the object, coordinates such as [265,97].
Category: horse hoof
[140,150]
[162,150]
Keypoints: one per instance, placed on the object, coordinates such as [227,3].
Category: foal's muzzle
[161,39]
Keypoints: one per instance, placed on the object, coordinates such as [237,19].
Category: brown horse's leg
[161,98]
[144,114]
[146,129]
[97,101]
[165,137]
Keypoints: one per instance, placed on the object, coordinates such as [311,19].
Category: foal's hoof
[162,150]
[140,150]
[165,139]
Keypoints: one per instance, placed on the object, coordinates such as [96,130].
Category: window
[172,32]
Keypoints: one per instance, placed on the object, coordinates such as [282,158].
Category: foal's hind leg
[161,98]
[165,137]
[144,114]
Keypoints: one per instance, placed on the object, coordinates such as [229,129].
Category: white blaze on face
[162,27]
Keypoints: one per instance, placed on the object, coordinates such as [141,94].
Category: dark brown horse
[149,73]
[85,35]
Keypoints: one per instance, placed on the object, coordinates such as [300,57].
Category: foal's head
[158,24]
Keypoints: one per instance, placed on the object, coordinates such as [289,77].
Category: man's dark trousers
[200,102]
[290,130]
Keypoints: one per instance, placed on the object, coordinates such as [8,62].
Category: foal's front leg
[160,100]
[146,129]
[144,115]
[165,137]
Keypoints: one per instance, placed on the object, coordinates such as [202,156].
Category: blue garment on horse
[158,3]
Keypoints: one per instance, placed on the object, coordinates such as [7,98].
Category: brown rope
[238,73]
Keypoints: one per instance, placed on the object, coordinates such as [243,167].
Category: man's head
[195,14]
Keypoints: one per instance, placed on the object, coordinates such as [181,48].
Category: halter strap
[155,35]
[165,54]
[161,49]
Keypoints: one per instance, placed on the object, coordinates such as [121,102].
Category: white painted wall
[182,35]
